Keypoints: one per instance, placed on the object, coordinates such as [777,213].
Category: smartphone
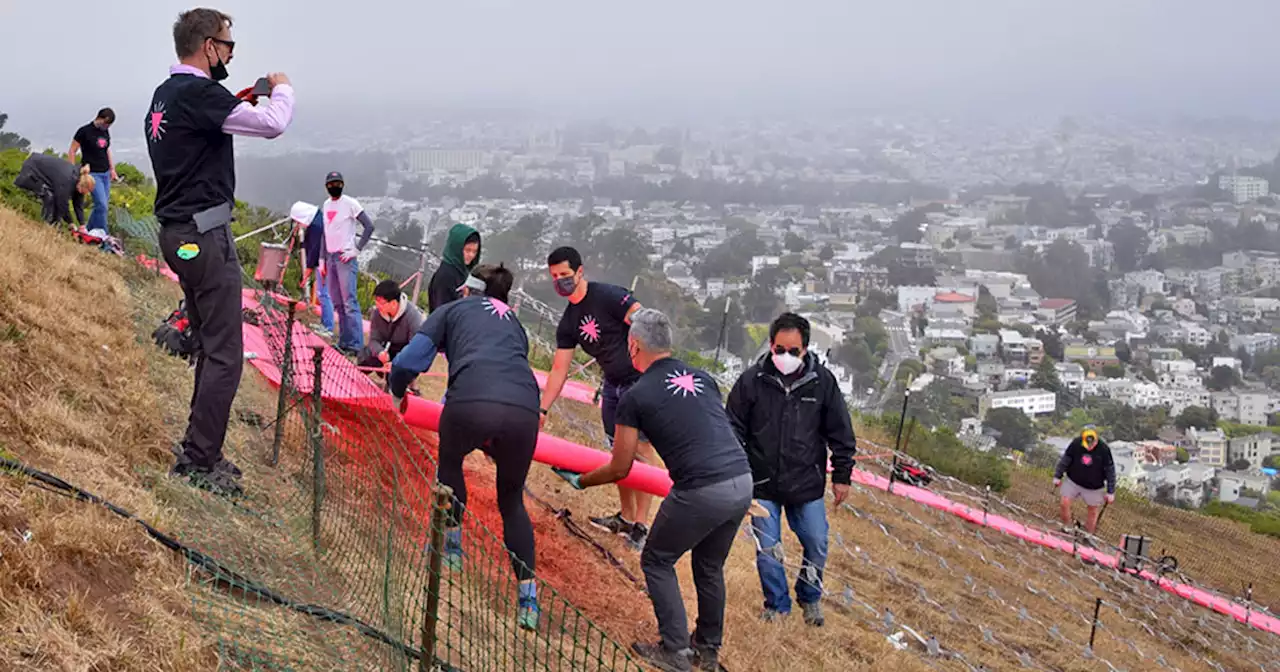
[262,87]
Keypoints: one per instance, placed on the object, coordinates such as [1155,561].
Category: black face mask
[335,191]
[218,72]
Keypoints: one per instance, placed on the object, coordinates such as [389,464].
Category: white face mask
[787,363]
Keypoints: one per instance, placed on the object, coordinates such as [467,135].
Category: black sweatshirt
[1089,469]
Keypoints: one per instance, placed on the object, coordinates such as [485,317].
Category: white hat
[302,212]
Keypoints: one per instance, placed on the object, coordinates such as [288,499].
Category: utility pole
[724,323]
[422,262]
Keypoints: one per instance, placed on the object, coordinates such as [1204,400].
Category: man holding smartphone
[188,128]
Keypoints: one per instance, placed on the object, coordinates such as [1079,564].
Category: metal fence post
[1097,607]
[317,446]
[286,376]
[441,496]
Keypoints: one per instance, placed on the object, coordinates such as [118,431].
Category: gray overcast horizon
[65,58]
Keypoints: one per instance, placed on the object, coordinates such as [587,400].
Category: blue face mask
[565,286]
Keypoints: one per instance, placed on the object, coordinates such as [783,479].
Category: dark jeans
[704,521]
[809,522]
[211,283]
[610,395]
[507,434]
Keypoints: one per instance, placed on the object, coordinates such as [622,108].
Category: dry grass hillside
[84,395]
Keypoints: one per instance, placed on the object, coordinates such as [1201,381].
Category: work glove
[572,477]
[1057,482]
[1111,497]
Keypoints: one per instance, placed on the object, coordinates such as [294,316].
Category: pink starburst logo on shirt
[684,384]
[1086,460]
[590,329]
[156,121]
[102,143]
[502,310]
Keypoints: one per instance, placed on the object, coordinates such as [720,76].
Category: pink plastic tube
[1261,621]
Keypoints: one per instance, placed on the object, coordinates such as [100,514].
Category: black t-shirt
[488,352]
[680,410]
[193,160]
[94,143]
[598,323]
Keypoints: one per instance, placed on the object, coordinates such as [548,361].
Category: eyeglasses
[779,350]
[229,44]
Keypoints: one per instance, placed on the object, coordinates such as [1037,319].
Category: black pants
[507,434]
[702,522]
[211,281]
[28,181]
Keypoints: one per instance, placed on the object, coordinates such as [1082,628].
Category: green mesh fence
[327,562]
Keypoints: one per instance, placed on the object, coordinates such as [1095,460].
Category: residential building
[915,255]
[984,345]
[1233,485]
[963,303]
[1033,402]
[1156,452]
[1091,357]
[1253,448]
[1057,311]
[1210,446]
[1243,188]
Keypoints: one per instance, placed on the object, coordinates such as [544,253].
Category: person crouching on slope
[1088,466]
[493,407]
[461,255]
[679,408]
[787,410]
[56,183]
[392,323]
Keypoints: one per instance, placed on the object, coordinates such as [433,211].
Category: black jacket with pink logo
[1089,469]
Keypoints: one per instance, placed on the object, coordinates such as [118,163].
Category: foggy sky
[62,59]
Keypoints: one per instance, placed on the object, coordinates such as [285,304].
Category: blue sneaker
[452,559]
[527,613]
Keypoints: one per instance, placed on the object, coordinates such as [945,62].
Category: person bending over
[493,407]
[309,222]
[679,408]
[56,183]
[1090,475]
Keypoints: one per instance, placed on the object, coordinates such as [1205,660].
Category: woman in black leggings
[493,406]
[508,435]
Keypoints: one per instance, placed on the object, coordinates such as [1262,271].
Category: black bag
[175,334]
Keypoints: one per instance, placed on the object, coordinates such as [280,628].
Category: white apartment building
[1244,188]
[1033,402]
[1211,443]
[1254,448]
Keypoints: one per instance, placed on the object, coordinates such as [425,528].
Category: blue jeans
[342,290]
[809,522]
[101,197]
[326,303]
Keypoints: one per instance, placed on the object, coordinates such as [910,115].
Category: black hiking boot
[614,524]
[662,658]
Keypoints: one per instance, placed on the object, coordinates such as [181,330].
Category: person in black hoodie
[56,183]
[1088,466]
[461,255]
[788,411]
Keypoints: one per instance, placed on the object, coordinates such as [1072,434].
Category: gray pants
[704,521]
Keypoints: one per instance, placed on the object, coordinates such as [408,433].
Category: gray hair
[652,330]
